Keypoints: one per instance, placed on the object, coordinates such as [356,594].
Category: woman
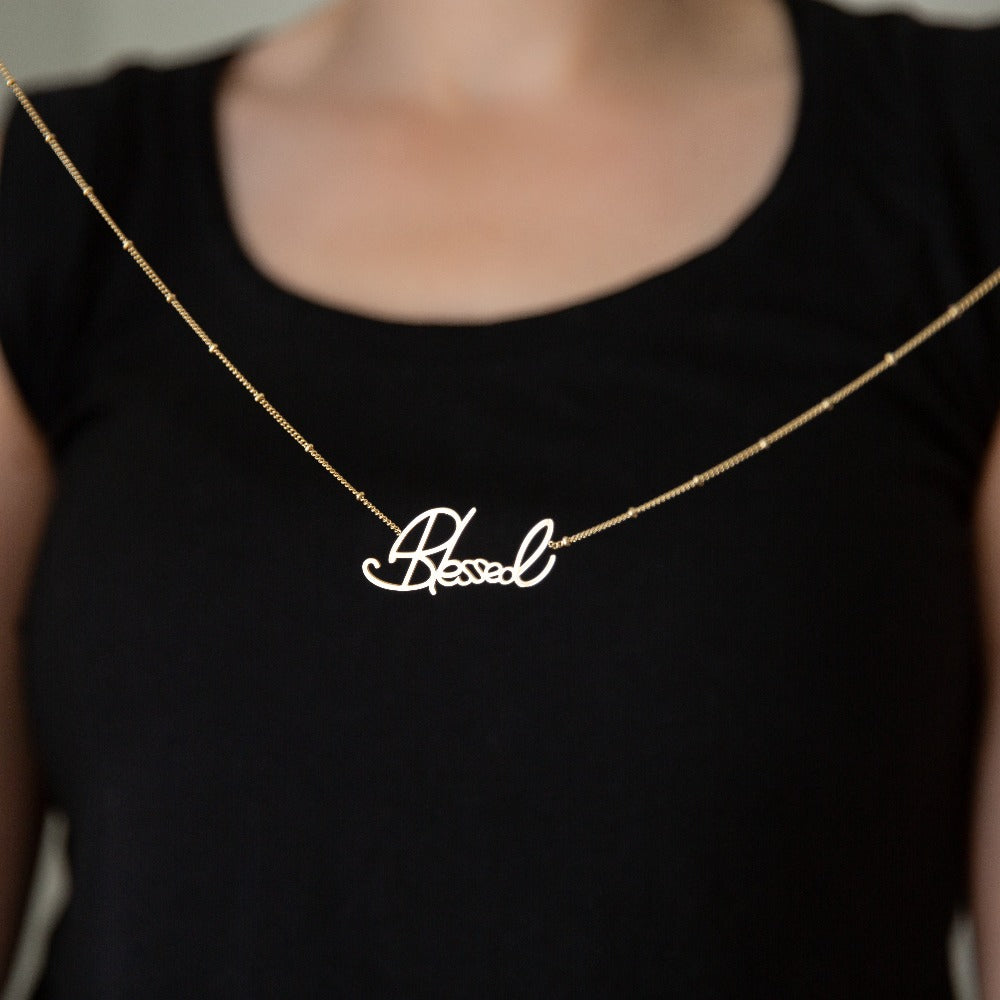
[544,261]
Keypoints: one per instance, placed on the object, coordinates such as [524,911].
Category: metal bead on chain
[889,360]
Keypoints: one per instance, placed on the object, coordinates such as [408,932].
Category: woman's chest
[402,213]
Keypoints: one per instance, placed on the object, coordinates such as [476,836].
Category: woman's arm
[986,819]
[25,492]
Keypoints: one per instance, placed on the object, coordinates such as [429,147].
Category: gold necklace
[427,560]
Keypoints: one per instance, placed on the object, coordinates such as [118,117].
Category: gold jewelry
[446,571]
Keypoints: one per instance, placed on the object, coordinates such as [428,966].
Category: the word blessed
[428,562]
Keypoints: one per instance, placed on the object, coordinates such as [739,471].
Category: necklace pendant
[428,562]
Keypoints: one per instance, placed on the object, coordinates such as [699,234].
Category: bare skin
[985,876]
[473,160]
[390,158]
[25,491]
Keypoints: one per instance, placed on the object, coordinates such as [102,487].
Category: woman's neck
[450,54]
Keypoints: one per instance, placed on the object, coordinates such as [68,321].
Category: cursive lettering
[430,564]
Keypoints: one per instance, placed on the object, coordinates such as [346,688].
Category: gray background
[48,39]
[53,40]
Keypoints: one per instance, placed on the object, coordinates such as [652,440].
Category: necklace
[427,561]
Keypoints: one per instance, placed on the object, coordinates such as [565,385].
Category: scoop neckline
[755,220]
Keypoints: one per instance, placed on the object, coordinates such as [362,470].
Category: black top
[724,751]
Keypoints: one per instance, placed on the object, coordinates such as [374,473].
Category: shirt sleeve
[46,229]
[960,74]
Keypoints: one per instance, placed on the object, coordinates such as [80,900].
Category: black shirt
[723,751]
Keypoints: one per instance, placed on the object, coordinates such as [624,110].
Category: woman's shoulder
[926,88]
[109,126]
[113,129]
[897,22]
[117,100]
[899,44]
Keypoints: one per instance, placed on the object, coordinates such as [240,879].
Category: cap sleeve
[960,70]
[47,233]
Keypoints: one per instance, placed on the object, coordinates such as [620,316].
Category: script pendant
[427,561]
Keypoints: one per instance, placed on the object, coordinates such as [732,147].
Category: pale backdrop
[47,39]
[50,40]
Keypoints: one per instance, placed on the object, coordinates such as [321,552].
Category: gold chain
[130,248]
[825,405]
